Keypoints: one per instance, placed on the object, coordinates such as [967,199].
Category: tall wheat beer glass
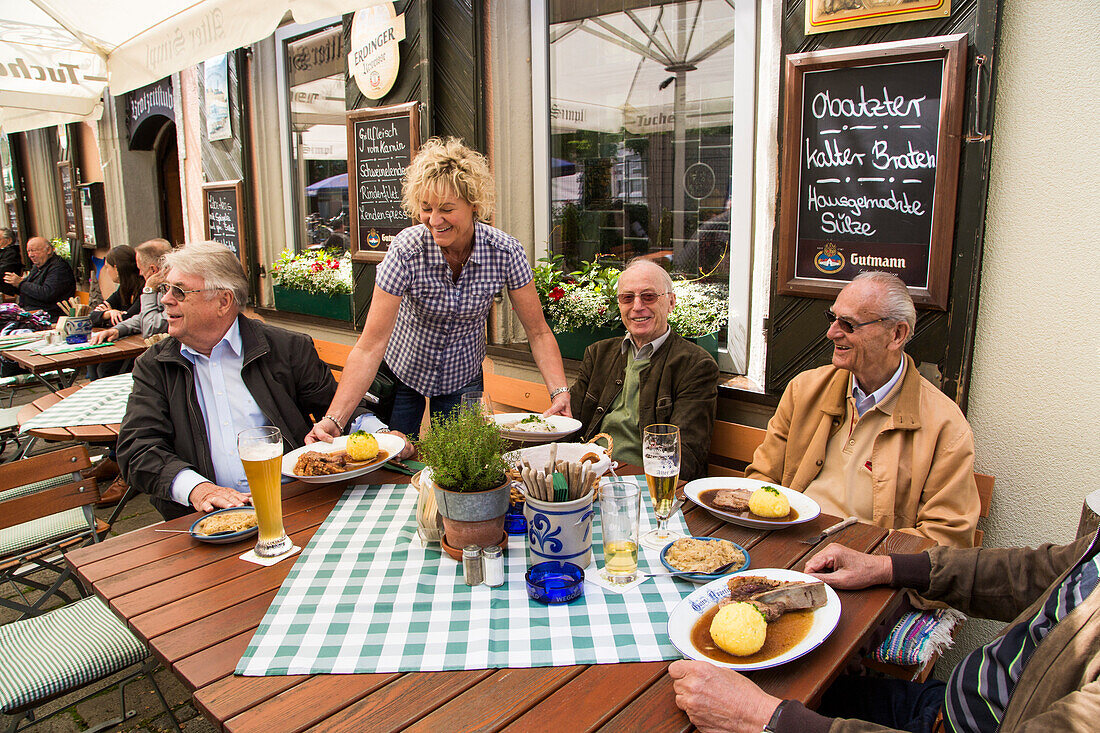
[661,460]
[261,451]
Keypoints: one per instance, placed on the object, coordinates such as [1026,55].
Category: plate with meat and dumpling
[323,463]
[755,619]
[751,502]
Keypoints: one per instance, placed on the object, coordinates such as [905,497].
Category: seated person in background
[218,374]
[1039,674]
[120,265]
[149,319]
[48,282]
[868,436]
[649,376]
[10,261]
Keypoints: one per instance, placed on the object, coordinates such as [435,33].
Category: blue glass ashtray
[555,582]
[514,521]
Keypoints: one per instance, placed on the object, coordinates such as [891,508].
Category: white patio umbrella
[58,56]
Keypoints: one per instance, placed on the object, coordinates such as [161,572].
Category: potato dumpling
[362,446]
[768,501]
[739,629]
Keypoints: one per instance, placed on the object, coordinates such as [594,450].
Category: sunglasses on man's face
[179,293]
[646,298]
[847,325]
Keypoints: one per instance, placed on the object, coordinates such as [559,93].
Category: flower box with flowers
[314,283]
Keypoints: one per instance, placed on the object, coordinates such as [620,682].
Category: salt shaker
[493,561]
[471,565]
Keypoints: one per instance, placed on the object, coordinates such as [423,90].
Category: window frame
[734,355]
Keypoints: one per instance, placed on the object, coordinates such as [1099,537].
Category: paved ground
[149,715]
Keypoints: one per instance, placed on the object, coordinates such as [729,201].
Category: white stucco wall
[1034,401]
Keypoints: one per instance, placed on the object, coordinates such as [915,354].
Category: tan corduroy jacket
[922,464]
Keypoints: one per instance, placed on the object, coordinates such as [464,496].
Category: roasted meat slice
[789,597]
[315,463]
[744,587]
[735,500]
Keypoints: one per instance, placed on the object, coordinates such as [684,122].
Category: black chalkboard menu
[222,210]
[68,201]
[872,139]
[381,143]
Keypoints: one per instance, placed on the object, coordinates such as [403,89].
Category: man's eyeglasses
[179,293]
[846,325]
[646,298]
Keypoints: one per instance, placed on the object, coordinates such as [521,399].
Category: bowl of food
[226,525]
[701,556]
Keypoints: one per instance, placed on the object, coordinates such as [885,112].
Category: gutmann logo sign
[375,57]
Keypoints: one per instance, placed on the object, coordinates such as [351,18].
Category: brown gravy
[707,499]
[783,633]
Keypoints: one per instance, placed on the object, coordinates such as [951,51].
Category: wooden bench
[333,354]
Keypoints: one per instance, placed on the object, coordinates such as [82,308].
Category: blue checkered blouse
[438,342]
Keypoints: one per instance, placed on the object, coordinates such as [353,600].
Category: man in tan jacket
[868,436]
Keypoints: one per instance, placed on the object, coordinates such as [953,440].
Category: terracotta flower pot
[471,518]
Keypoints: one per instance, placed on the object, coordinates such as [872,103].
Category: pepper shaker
[471,565]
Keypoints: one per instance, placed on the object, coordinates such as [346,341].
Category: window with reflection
[642,135]
[314,68]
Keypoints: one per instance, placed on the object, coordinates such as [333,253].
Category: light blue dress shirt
[864,401]
[227,409]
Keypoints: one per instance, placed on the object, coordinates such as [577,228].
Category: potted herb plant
[315,282]
[467,476]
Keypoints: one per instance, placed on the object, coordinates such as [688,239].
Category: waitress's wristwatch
[558,391]
[772,725]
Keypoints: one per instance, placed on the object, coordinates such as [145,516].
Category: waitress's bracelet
[558,391]
[334,422]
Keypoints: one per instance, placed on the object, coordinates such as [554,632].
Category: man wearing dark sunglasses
[650,376]
[868,436]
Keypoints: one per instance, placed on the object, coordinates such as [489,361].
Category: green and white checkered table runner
[101,402]
[368,596]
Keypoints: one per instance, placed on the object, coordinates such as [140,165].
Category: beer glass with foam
[661,460]
[261,452]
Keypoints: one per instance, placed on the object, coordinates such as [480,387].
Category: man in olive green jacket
[1042,673]
[868,436]
[650,376]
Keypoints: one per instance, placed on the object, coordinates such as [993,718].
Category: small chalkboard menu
[872,138]
[222,208]
[68,201]
[381,143]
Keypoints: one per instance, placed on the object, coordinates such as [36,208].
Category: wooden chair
[45,507]
[516,395]
[333,354]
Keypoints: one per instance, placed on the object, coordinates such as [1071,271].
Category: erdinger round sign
[374,58]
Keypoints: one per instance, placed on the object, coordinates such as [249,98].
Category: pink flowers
[556,294]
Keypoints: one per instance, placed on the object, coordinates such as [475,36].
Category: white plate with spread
[541,429]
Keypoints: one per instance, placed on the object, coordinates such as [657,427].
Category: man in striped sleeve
[1042,673]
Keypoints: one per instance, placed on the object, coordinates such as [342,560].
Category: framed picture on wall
[823,16]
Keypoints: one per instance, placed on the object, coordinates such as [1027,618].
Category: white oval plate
[563,426]
[690,609]
[387,442]
[806,507]
[539,455]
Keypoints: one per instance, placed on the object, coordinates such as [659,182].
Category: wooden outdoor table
[39,364]
[106,433]
[197,605]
